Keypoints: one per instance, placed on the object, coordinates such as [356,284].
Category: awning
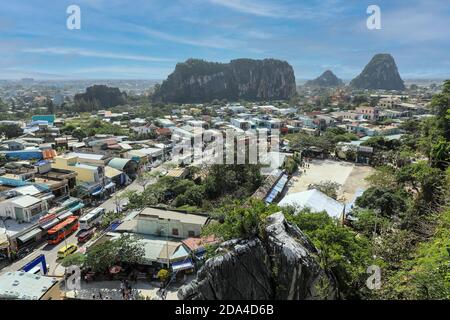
[29,235]
[281,183]
[48,197]
[272,195]
[77,207]
[96,193]
[182,265]
[49,224]
[200,254]
[110,185]
[64,215]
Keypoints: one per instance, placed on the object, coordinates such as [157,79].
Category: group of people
[126,290]
[304,165]
[100,296]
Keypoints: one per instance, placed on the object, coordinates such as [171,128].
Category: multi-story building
[23,208]
[85,172]
[369,113]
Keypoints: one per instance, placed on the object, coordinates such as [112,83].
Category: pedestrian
[93,297]
[122,289]
[100,295]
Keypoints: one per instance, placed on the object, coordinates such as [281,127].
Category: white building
[23,208]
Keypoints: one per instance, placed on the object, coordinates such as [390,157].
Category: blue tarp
[113,226]
[24,154]
[277,189]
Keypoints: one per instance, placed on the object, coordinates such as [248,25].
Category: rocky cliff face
[327,79]
[380,73]
[196,81]
[283,266]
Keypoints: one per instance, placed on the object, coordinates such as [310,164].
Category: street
[51,251]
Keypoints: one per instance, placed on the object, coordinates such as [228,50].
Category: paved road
[110,204]
[50,252]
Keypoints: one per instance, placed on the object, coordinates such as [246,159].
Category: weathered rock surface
[327,79]
[380,73]
[197,81]
[283,266]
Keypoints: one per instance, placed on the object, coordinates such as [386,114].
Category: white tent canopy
[315,200]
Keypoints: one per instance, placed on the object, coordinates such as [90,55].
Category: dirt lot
[349,175]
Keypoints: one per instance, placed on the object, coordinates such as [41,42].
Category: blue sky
[144,39]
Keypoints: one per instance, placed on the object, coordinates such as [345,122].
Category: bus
[92,218]
[63,229]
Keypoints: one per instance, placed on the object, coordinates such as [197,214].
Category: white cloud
[94,54]
[313,10]
[209,42]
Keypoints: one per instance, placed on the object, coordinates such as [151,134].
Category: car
[86,235]
[67,250]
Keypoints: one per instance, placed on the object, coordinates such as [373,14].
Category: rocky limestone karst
[198,81]
[327,79]
[380,73]
[282,266]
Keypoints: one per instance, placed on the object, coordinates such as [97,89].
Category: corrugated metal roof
[118,163]
[25,201]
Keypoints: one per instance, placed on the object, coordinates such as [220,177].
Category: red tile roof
[196,243]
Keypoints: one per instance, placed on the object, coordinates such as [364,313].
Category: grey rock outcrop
[283,266]
[380,73]
[198,81]
[327,79]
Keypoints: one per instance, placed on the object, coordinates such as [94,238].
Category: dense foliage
[236,181]
[98,97]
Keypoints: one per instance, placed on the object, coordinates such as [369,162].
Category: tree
[77,259]
[163,275]
[387,201]
[126,249]
[341,251]
[291,166]
[241,221]
[10,130]
[329,188]
[367,222]
[427,274]
[79,134]
[424,180]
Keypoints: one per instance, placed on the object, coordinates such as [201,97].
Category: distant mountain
[380,73]
[196,81]
[101,96]
[327,79]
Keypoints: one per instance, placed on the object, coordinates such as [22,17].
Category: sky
[144,39]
